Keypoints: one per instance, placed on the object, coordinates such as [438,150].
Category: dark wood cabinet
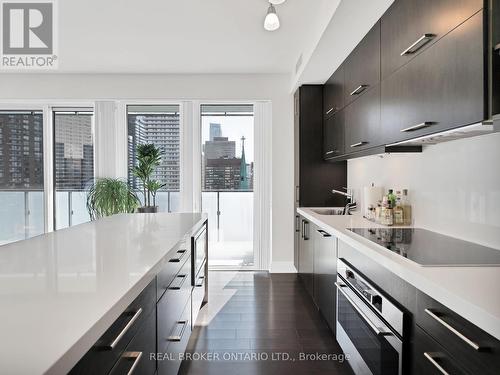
[362,122]
[409,27]
[362,67]
[333,135]
[440,89]
[333,93]
[306,255]
[325,274]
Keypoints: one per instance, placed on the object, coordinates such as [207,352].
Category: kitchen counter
[60,291]
[469,291]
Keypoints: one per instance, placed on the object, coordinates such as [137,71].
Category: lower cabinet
[325,274]
[306,255]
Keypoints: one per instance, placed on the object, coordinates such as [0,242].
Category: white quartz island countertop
[471,292]
[61,291]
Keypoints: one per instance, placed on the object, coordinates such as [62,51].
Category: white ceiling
[186,36]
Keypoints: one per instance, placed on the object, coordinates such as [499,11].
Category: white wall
[204,87]
[454,186]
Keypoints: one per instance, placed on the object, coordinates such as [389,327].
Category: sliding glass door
[21,175]
[227,182]
[73,164]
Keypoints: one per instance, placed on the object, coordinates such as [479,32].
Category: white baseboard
[282,267]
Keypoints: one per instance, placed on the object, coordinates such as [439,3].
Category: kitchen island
[63,291]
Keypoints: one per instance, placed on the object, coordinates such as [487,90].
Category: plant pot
[147,210]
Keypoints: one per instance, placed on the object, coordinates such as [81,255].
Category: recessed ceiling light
[277,2]
[271,22]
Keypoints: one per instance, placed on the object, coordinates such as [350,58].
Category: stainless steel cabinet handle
[178,282]
[359,144]
[358,90]
[123,331]
[180,254]
[178,331]
[419,43]
[330,110]
[431,357]
[453,330]
[329,152]
[297,223]
[376,329]
[323,233]
[417,127]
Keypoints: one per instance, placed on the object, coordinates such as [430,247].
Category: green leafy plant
[109,196]
[148,158]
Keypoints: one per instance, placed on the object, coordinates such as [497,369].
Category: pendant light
[271,22]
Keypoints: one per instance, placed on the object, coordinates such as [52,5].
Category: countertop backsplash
[454,187]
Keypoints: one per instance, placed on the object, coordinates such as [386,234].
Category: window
[21,175]
[159,125]
[73,164]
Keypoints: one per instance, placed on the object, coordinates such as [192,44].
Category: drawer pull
[180,255]
[419,43]
[358,90]
[178,331]
[323,233]
[178,282]
[329,152]
[330,110]
[200,281]
[417,127]
[431,357]
[132,356]
[359,144]
[122,333]
[453,330]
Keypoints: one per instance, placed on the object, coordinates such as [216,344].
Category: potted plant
[109,196]
[148,158]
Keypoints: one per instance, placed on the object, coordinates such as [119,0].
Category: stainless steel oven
[369,326]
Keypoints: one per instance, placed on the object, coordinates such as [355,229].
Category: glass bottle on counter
[386,215]
[398,212]
[405,203]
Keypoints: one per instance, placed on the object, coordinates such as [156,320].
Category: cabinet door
[409,27]
[362,122]
[325,274]
[333,135]
[306,257]
[333,93]
[362,67]
[440,89]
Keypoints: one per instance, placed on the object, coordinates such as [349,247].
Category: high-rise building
[215,131]
[162,130]
[74,151]
[220,147]
[21,151]
[222,174]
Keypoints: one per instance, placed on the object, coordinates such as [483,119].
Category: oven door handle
[377,330]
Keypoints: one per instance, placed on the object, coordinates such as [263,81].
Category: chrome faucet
[351,203]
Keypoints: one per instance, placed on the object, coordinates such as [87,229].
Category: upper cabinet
[411,26]
[442,88]
[333,93]
[362,67]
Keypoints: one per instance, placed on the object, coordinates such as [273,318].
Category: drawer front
[110,346]
[409,27]
[362,122]
[136,357]
[171,305]
[440,89]
[177,340]
[474,349]
[430,358]
[175,261]
[362,67]
[199,293]
[333,93]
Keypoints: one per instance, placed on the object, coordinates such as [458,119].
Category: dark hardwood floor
[260,323]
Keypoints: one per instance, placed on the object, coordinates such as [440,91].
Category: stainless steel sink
[329,211]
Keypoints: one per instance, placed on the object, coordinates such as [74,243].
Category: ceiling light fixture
[277,2]
[271,22]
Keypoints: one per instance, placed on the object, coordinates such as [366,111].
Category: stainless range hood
[450,135]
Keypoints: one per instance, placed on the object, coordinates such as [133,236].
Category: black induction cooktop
[428,248]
